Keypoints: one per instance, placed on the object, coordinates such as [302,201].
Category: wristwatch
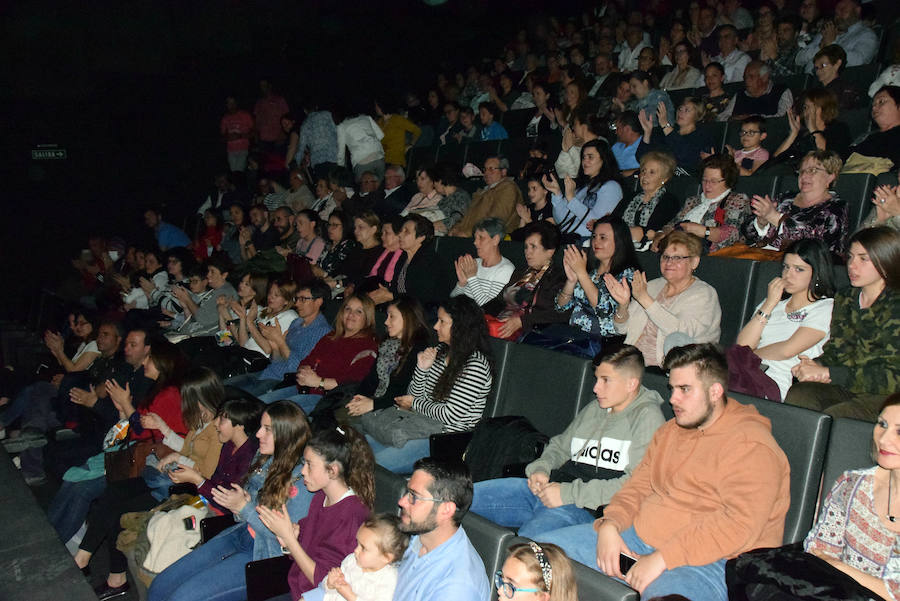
[706,234]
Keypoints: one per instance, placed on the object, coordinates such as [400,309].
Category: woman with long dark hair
[450,384]
[783,328]
[594,193]
[585,293]
[858,366]
[216,569]
[407,336]
[339,469]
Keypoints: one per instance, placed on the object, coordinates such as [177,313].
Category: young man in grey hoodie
[582,468]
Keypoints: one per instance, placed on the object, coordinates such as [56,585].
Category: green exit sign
[48,154]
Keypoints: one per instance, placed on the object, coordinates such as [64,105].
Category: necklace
[892,518]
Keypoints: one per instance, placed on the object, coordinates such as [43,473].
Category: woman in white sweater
[673,310]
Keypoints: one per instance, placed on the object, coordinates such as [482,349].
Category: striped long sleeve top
[463,406]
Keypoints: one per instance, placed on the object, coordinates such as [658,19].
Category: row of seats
[741,284]
[549,388]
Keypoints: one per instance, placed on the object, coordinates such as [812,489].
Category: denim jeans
[158,482]
[307,402]
[212,572]
[698,583]
[70,506]
[252,383]
[509,502]
[399,460]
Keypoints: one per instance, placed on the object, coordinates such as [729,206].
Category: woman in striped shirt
[450,384]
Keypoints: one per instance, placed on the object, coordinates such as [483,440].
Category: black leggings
[103,519]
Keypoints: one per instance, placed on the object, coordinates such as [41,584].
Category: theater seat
[490,540]
[849,448]
[514,122]
[594,586]
[418,157]
[477,152]
[757,184]
[542,385]
[388,489]
[803,436]
[452,153]
[733,280]
[683,187]
[777,129]
[856,190]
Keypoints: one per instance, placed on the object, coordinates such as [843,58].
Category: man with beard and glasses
[440,562]
[712,484]
[847,31]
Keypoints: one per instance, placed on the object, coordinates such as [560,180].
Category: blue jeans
[213,572]
[252,383]
[307,402]
[698,583]
[399,460]
[69,508]
[158,482]
[509,502]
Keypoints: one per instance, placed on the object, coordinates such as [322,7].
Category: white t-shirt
[696,214]
[284,320]
[782,325]
[85,347]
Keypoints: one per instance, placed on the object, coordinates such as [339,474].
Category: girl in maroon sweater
[340,469]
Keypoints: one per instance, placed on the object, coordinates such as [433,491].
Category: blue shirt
[319,134]
[452,572]
[625,155]
[300,339]
[494,131]
[168,236]
[574,215]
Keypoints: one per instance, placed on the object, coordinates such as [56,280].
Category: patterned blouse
[826,221]
[729,215]
[332,257]
[850,530]
[596,321]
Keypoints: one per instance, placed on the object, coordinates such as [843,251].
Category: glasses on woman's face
[673,258]
[712,182]
[509,589]
[811,171]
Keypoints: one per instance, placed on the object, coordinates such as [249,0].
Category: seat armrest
[267,578]
[184,488]
[211,526]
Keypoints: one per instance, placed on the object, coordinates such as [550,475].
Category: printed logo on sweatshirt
[609,453]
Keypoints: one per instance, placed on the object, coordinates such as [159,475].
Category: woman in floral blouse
[816,212]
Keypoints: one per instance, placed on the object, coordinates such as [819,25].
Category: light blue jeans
[399,460]
[509,502]
[698,583]
[252,383]
[307,402]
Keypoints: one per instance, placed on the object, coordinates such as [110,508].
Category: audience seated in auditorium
[732,59]
[251,316]
[780,53]
[167,235]
[794,319]
[542,568]
[858,365]
[448,391]
[847,31]
[586,127]
[490,129]
[289,346]
[680,514]
[633,44]
[628,139]
[653,207]
[394,196]
[216,569]
[687,143]
[815,212]
[339,471]
[684,75]
[751,155]
[203,312]
[760,95]
[852,534]
[341,358]
[713,96]
[440,560]
[885,142]
[484,277]
[577,473]
[829,63]
[648,98]
[717,214]
[497,199]
[891,75]
[340,243]
[815,128]
[675,309]
[885,208]
[528,300]
[201,395]
[603,66]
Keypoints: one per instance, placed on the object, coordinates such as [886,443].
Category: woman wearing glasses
[537,571]
[673,310]
[716,215]
[816,212]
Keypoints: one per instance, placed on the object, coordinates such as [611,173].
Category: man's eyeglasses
[303,298]
[414,498]
[509,589]
[750,132]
